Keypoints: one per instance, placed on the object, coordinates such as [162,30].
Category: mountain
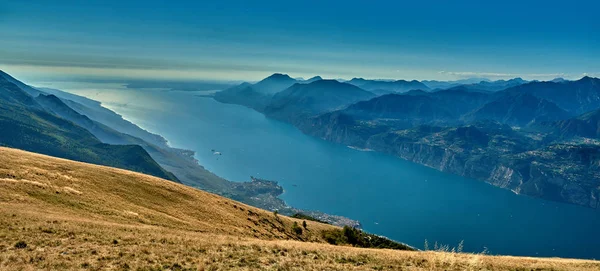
[53,104]
[496,85]
[274,83]
[518,110]
[386,87]
[586,125]
[479,84]
[26,88]
[464,88]
[257,96]
[312,79]
[99,114]
[419,108]
[416,92]
[244,94]
[461,100]
[358,122]
[576,97]
[105,133]
[12,95]
[27,125]
[314,98]
[434,84]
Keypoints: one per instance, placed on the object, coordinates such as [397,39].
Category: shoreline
[241,191]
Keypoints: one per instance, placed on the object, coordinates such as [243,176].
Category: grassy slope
[73,215]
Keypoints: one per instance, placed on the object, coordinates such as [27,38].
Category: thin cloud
[591,74]
[503,75]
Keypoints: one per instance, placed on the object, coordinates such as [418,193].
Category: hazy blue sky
[337,39]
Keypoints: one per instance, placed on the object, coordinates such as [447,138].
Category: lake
[391,197]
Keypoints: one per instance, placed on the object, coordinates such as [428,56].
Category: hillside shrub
[297,230]
[21,245]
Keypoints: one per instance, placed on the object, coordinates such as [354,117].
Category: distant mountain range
[434,84]
[480,84]
[381,87]
[497,85]
[577,97]
[258,95]
[534,138]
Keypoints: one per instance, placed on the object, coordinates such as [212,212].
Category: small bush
[334,237]
[304,225]
[21,244]
[297,230]
[351,234]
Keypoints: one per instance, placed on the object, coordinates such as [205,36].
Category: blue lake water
[392,197]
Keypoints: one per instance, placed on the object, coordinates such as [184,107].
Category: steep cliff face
[340,128]
[506,177]
[539,173]
[561,172]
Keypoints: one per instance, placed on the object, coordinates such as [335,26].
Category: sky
[248,40]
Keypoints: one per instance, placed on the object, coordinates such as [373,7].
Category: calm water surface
[390,196]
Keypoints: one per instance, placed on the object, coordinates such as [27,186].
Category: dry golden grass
[78,216]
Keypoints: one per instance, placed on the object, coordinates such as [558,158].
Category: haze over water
[392,197]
